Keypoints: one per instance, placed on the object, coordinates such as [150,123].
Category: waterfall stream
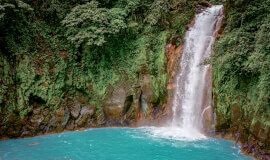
[192,96]
[190,82]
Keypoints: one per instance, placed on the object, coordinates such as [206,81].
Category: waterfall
[192,97]
[190,82]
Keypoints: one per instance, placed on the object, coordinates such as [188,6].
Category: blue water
[117,144]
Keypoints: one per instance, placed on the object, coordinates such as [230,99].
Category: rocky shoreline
[248,148]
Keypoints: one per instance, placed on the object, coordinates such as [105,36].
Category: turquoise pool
[117,144]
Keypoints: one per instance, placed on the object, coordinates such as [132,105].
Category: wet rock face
[65,118]
[87,110]
[59,120]
[124,107]
[85,114]
[40,120]
[75,110]
[204,3]
[148,97]
[114,104]
[70,125]
[124,104]
[148,91]
[127,105]
[121,107]
[174,55]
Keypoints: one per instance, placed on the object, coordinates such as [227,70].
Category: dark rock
[245,146]
[59,113]
[65,118]
[26,133]
[45,112]
[198,10]
[70,125]
[127,104]
[187,27]
[175,38]
[75,111]
[36,120]
[155,111]
[250,149]
[46,119]
[59,119]
[81,121]
[204,3]
[85,114]
[36,111]
[87,110]
[117,103]
[53,121]
[148,91]
[263,134]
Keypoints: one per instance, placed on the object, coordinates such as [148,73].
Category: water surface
[118,144]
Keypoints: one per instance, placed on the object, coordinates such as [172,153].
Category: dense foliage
[54,50]
[241,66]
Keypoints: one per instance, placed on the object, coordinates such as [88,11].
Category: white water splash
[172,133]
[191,80]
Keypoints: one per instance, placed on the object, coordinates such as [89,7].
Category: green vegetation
[241,66]
[54,53]
[55,50]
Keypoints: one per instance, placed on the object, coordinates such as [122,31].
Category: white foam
[173,133]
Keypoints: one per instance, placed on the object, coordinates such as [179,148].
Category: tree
[18,4]
[14,24]
[158,10]
[89,24]
[3,7]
